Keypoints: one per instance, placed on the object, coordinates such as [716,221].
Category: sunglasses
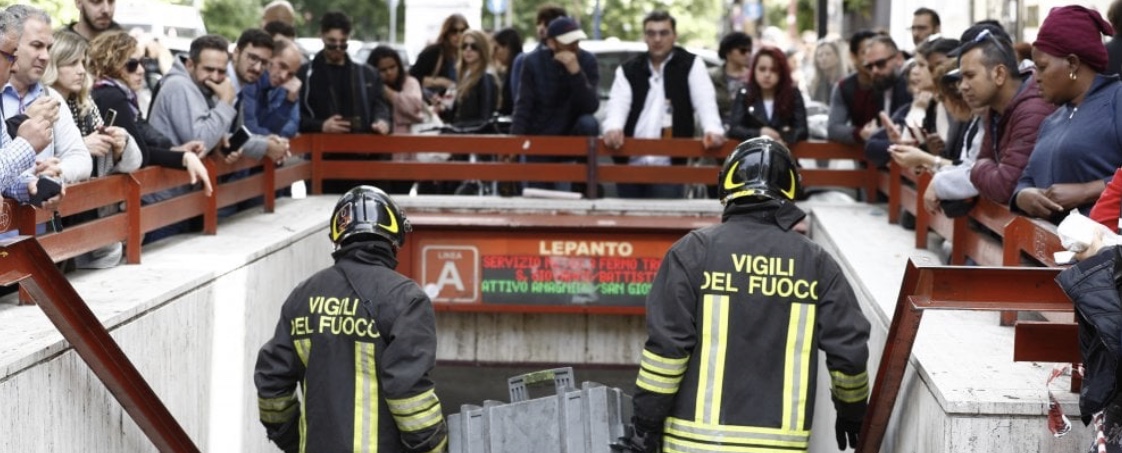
[459,30]
[11,57]
[132,65]
[469,45]
[879,64]
[335,46]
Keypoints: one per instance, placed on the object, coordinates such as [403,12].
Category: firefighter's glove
[848,425]
[635,440]
[847,432]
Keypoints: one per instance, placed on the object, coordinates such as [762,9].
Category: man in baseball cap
[557,91]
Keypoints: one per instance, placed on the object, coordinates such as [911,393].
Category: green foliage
[229,17]
[698,20]
[61,11]
[776,14]
[371,18]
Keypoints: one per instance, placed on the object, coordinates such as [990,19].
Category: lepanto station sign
[540,272]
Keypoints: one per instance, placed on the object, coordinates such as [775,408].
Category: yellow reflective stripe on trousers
[714,339]
[796,373]
[672,445]
[366,399]
[849,388]
[687,436]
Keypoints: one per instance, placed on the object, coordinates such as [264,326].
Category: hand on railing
[197,171]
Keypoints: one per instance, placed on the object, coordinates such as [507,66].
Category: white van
[175,25]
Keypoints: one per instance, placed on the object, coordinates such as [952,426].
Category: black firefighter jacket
[735,318]
[360,339]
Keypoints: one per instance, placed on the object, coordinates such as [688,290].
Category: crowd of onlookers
[1034,127]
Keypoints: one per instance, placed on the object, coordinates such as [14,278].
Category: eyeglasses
[881,63]
[255,60]
[11,57]
[335,46]
[469,45]
[132,65]
[657,33]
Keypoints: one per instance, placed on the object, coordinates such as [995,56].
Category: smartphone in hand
[237,140]
[45,189]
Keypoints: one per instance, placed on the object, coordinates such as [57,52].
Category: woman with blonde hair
[477,92]
[111,147]
[114,63]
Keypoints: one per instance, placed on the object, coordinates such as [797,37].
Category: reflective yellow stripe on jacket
[366,399]
[849,388]
[303,348]
[714,345]
[796,374]
[416,413]
[684,436]
[279,409]
[660,374]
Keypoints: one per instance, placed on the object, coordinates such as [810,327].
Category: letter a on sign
[453,270]
[450,276]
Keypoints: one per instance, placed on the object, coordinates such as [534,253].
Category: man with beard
[855,102]
[882,59]
[252,55]
[270,104]
[1014,110]
[94,18]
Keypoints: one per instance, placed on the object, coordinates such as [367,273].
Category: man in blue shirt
[271,104]
[18,154]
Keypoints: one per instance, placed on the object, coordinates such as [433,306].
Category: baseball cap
[565,30]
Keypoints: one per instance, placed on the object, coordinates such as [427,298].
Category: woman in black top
[115,64]
[477,93]
[508,45]
[770,104]
[436,64]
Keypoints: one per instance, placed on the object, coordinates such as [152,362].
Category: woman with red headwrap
[1079,147]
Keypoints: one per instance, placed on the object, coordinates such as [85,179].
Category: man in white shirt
[661,89]
[24,95]
[18,154]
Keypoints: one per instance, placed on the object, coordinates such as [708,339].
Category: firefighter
[360,339]
[735,318]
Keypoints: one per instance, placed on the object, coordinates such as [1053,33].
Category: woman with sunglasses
[1079,146]
[769,105]
[112,149]
[115,66]
[477,93]
[436,64]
